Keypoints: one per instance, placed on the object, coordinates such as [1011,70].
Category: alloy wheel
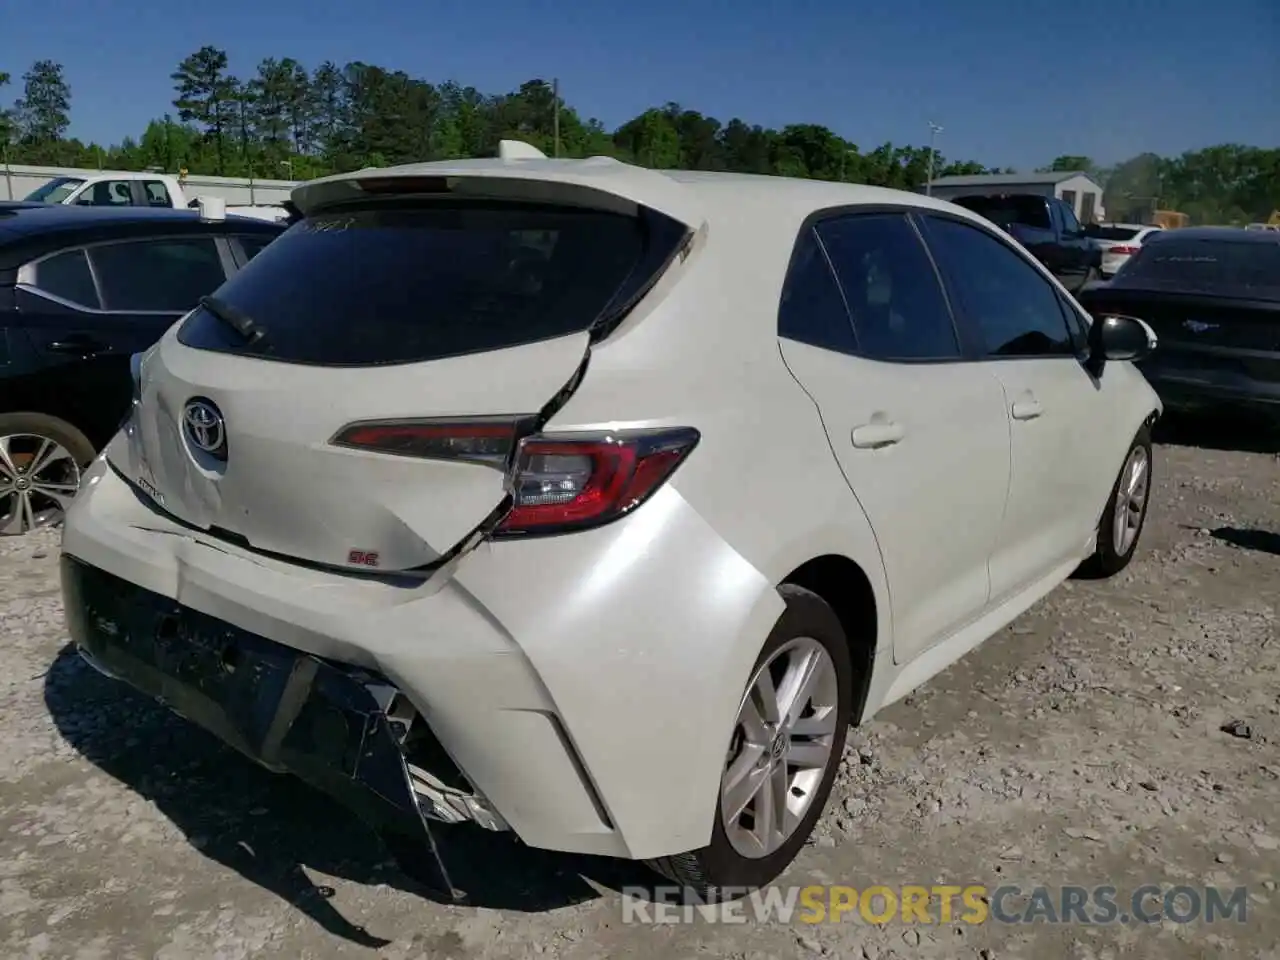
[783,742]
[39,478]
[1131,500]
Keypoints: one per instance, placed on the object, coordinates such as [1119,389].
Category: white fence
[16,181]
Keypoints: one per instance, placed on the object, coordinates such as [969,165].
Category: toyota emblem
[205,428]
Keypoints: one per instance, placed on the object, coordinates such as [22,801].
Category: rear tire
[1126,513]
[41,461]
[808,628]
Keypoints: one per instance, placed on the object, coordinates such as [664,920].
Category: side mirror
[1119,338]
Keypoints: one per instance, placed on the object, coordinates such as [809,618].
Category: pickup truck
[116,189]
[1048,228]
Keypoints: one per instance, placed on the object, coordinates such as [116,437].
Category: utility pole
[555,95]
[934,130]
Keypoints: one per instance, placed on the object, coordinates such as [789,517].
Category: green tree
[206,94]
[43,112]
[6,118]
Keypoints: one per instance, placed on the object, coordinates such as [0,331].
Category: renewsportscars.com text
[940,904]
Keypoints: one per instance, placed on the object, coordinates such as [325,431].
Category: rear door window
[812,309]
[893,292]
[399,284]
[168,276]
[67,276]
[157,194]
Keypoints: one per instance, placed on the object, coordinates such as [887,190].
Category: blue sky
[1013,82]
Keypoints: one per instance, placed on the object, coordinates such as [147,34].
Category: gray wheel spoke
[765,811]
[753,724]
[766,698]
[60,493]
[821,724]
[808,753]
[6,459]
[798,684]
[745,788]
[1137,475]
[48,454]
[23,517]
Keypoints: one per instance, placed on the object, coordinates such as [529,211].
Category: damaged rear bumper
[341,729]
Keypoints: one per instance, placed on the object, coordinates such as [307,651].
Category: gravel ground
[1083,745]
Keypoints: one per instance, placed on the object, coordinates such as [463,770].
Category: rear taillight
[485,440]
[556,482]
[567,483]
[1122,250]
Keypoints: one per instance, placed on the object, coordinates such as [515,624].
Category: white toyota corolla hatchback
[594,502]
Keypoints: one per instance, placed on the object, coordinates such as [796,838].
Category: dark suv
[81,290]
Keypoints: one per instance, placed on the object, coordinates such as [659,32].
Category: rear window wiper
[236,319]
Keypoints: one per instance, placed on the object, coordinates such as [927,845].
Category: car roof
[1225,234]
[26,219]
[689,196]
[28,232]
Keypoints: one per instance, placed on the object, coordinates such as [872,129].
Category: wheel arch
[846,588]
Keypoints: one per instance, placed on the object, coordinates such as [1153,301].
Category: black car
[81,290]
[1212,295]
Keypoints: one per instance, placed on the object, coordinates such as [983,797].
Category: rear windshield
[396,285]
[1111,233]
[1222,267]
[1029,211]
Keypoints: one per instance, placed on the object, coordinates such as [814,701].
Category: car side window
[1055,215]
[157,275]
[157,194]
[252,246]
[812,310]
[1016,309]
[1077,326]
[67,276]
[1070,225]
[107,193]
[894,295]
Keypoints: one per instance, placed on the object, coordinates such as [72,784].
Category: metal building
[1073,187]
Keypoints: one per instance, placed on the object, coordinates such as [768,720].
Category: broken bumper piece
[344,731]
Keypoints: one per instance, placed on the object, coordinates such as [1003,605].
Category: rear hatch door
[385,317]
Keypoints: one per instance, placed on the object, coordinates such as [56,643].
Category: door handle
[871,436]
[79,345]
[1027,409]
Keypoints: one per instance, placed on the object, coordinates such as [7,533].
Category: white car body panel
[588,683]
[953,424]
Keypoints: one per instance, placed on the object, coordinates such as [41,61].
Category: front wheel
[1126,511]
[783,755]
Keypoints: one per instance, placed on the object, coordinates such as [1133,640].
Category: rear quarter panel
[763,481]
